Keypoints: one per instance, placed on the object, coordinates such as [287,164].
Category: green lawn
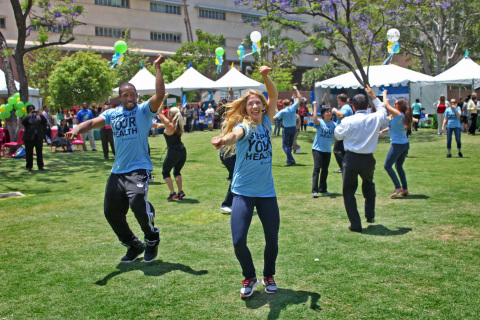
[59,258]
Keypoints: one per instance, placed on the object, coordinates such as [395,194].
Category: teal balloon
[19,113]
[8,107]
[19,105]
[12,100]
[219,51]
[6,114]
[120,46]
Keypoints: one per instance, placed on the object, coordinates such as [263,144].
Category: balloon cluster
[241,54]
[14,103]
[255,36]
[120,48]
[393,35]
[219,60]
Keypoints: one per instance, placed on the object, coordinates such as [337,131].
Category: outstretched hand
[218,142]
[264,70]
[70,136]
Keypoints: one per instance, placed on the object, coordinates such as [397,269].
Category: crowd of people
[245,144]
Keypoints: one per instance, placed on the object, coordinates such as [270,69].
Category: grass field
[59,258]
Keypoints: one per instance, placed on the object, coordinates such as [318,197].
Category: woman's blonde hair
[177,120]
[236,112]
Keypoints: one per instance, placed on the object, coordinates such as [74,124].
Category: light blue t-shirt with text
[252,176]
[130,134]
[288,115]
[324,136]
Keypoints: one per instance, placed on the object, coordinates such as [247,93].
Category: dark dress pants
[354,165]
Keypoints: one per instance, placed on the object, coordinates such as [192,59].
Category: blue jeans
[397,155]
[457,137]
[278,126]
[288,138]
[242,213]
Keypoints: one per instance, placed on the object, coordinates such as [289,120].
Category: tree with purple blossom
[353,32]
[43,18]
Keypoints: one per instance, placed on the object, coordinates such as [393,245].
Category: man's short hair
[286,102]
[360,102]
[123,85]
[417,100]
[342,97]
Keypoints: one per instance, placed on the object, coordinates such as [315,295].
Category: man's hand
[160,59]
[264,70]
[314,103]
[166,95]
[70,136]
[369,91]
[294,88]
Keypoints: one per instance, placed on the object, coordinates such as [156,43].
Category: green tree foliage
[133,59]
[327,71]
[437,32]
[282,76]
[40,65]
[84,76]
[201,53]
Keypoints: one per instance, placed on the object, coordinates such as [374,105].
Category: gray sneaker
[247,287]
[315,195]
[270,285]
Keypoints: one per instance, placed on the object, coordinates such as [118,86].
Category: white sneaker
[226,209]
[315,195]
[298,150]
[270,285]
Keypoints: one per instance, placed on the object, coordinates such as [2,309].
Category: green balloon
[6,114]
[16,95]
[219,51]
[120,46]
[12,100]
[19,113]
[19,105]
[8,107]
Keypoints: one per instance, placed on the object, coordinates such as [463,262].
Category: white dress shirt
[360,131]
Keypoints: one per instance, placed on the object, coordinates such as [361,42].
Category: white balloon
[393,35]
[255,36]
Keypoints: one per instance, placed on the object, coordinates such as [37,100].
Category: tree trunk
[12,123]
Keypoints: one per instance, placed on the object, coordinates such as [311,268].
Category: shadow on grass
[332,195]
[189,201]
[412,196]
[281,300]
[380,230]
[154,269]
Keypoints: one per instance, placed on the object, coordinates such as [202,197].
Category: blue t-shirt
[416,108]
[398,134]
[252,176]
[130,133]
[452,120]
[84,115]
[347,111]
[289,115]
[324,137]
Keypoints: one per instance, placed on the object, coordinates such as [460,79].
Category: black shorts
[464,119]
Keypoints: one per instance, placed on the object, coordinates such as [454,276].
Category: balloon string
[390,56]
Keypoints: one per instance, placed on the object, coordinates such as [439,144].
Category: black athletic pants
[339,152]
[130,190]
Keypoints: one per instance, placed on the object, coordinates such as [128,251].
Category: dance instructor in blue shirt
[127,185]
[246,131]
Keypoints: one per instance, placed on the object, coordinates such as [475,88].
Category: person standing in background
[416,113]
[472,108]
[440,107]
[84,115]
[345,111]
[33,136]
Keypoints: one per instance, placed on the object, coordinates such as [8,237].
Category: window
[318,28]
[210,14]
[164,8]
[250,19]
[321,52]
[2,23]
[109,32]
[167,37]
[57,28]
[113,3]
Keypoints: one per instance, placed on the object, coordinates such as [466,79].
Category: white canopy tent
[33,94]
[379,76]
[190,80]
[143,81]
[465,72]
[237,81]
